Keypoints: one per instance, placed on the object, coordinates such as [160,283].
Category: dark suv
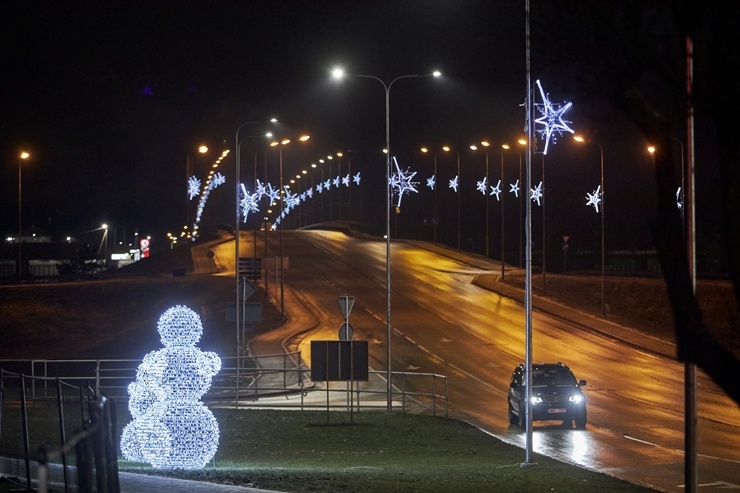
[556,395]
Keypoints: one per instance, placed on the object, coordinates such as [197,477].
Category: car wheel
[581,419]
[513,418]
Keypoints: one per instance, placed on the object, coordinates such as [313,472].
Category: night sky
[110,98]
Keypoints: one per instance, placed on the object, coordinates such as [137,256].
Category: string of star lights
[551,119]
[194,188]
[171,428]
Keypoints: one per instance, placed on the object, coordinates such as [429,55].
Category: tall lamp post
[434,210]
[23,156]
[339,74]
[580,139]
[504,147]
[448,149]
[280,144]
[522,142]
[474,147]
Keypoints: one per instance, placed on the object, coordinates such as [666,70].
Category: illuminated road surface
[444,324]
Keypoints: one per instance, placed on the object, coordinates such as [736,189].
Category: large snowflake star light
[193,187]
[454,183]
[482,185]
[496,191]
[247,202]
[552,119]
[514,188]
[401,182]
[431,181]
[536,193]
[594,198]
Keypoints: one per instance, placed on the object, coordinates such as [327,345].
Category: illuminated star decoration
[247,202]
[514,188]
[496,191]
[594,198]
[345,181]
[193,187]
[401,182]
[327,184]
[218,179]
[171,428]
[679,200]
[551,119]
[431,182]
[356,178]
[272,193]
[309,193]
[260,190]
[482,185]
[536,193]
[453,183]
[336,182]
[320,187]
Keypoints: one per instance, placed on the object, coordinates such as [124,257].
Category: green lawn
[310,451]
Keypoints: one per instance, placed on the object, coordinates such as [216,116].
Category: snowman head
[179,326]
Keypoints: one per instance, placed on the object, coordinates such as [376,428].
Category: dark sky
[111,97]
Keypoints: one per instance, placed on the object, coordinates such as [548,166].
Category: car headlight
[575,398]
[536,399]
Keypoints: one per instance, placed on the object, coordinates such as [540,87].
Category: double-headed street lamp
[448,149]
[339,74]
[22,157]
[580,139]
[280,144]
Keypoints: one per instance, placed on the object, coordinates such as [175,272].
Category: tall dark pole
[503,230]
[447,149]
[544,249]
[24,155]
[387,88]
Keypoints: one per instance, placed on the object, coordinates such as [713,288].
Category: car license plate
[556,410]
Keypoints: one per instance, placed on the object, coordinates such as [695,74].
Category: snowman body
[171,428]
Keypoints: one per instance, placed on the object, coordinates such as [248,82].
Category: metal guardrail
[249,382]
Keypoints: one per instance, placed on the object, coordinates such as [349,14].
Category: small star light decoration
[247,202]
[193,187]
[356,178]
[679,200]
[401,182]
[496,191]
[536,193]
[171,428]
[454,183]
[594,199]
[345,181]
[514,188]
[431,181]
[482,185]
[552,119]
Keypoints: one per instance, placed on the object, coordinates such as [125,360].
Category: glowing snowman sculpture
[172,429]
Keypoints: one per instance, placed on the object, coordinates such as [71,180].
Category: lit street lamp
[434,212]
[280,145]
[23,156]
[485,190]
[447,149]
[580,139]
[339,74]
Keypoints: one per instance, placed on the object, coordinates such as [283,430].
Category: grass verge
[312,451]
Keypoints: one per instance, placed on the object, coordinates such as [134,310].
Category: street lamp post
[434,210]
[503,242]
[338,74]
[280,145]
[23,156]
[522,142]
[485,143]
[578,138]
[447,149]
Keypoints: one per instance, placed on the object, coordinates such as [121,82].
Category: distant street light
[339,74]
[23,156]
[280,144]
[434,212]
[504,147]
[485,144]
[580,139]
[448,149]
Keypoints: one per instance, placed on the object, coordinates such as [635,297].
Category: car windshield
[552,376]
